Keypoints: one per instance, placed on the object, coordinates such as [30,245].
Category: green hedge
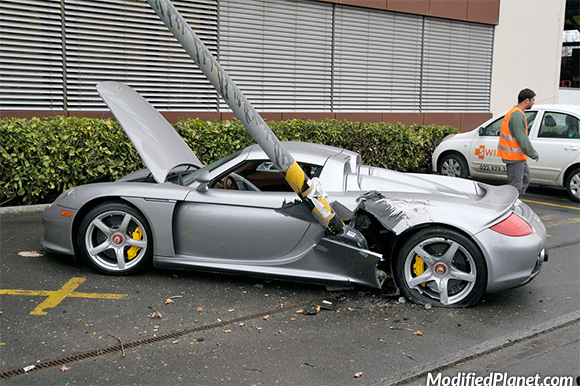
[43,157]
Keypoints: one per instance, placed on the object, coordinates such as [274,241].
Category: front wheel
[453,165]
[115,239]
[442,267]
[572,184]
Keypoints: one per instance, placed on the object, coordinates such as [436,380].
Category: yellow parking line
[55,297]
[556,205]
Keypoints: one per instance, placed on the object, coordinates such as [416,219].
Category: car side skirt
[327,261]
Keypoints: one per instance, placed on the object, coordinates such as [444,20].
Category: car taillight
[513,226]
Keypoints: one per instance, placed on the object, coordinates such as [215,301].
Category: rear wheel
[442,267]
[115,239]
[572,184]
[453,165]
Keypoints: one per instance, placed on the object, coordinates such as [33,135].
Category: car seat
[547,125]
[573,130]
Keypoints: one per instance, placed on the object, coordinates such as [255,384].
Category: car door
[557,141]
[483,157]
[484,160]
[239,226]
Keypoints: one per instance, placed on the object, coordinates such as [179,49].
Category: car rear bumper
[514,261]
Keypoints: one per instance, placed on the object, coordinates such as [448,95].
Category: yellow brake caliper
[132,252]
[419,267]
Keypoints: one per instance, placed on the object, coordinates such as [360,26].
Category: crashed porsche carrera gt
[436,239]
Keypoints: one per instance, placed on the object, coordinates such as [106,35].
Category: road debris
[29,254]
[156,314]
[121,342]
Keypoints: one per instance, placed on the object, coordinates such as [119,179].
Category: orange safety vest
[508,148]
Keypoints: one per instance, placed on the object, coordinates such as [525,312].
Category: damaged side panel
[359,265]
[388,214]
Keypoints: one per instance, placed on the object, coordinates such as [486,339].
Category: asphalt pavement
[63,324]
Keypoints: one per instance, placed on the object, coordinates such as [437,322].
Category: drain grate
[71,358]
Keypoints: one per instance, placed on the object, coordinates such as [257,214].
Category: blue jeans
[519,176]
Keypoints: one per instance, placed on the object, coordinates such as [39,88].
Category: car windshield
[188,177]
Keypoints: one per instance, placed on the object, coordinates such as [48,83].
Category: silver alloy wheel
[447,276]
[116,241]
[450,167]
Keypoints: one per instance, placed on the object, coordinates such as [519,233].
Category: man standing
[514,146]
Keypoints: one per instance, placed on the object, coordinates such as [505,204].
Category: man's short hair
[525,94]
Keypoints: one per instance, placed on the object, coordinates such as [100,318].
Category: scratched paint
[376,204]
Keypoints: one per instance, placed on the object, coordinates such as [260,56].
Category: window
[494,128]
[559,125]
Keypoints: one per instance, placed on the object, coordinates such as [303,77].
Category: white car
[554,134]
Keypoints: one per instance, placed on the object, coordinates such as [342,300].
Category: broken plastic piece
[328,304]
[351,236]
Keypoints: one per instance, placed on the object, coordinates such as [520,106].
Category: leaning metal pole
[313,196]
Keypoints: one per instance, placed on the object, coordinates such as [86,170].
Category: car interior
[259,176]
[559,125]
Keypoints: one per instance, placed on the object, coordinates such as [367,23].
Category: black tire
[572,185]
[115,239]
[439,260]
[453,165]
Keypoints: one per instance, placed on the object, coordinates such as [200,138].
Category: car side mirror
[203,179]
[481,131]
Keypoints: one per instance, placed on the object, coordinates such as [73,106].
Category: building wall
[527,51]
[453,16]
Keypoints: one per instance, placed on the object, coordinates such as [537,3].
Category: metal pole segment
[246,113]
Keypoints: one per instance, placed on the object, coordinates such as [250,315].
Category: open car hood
[161,148]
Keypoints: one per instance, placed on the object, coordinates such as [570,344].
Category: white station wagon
[554,132]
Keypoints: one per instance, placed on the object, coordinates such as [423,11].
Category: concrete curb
[485,348]
[23,209]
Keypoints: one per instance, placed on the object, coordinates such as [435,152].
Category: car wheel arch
[569,170]
[449,153]
[574,168]
[407,235]
[111,207]
[86,208]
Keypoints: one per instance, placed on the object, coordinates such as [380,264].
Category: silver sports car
[436,239]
